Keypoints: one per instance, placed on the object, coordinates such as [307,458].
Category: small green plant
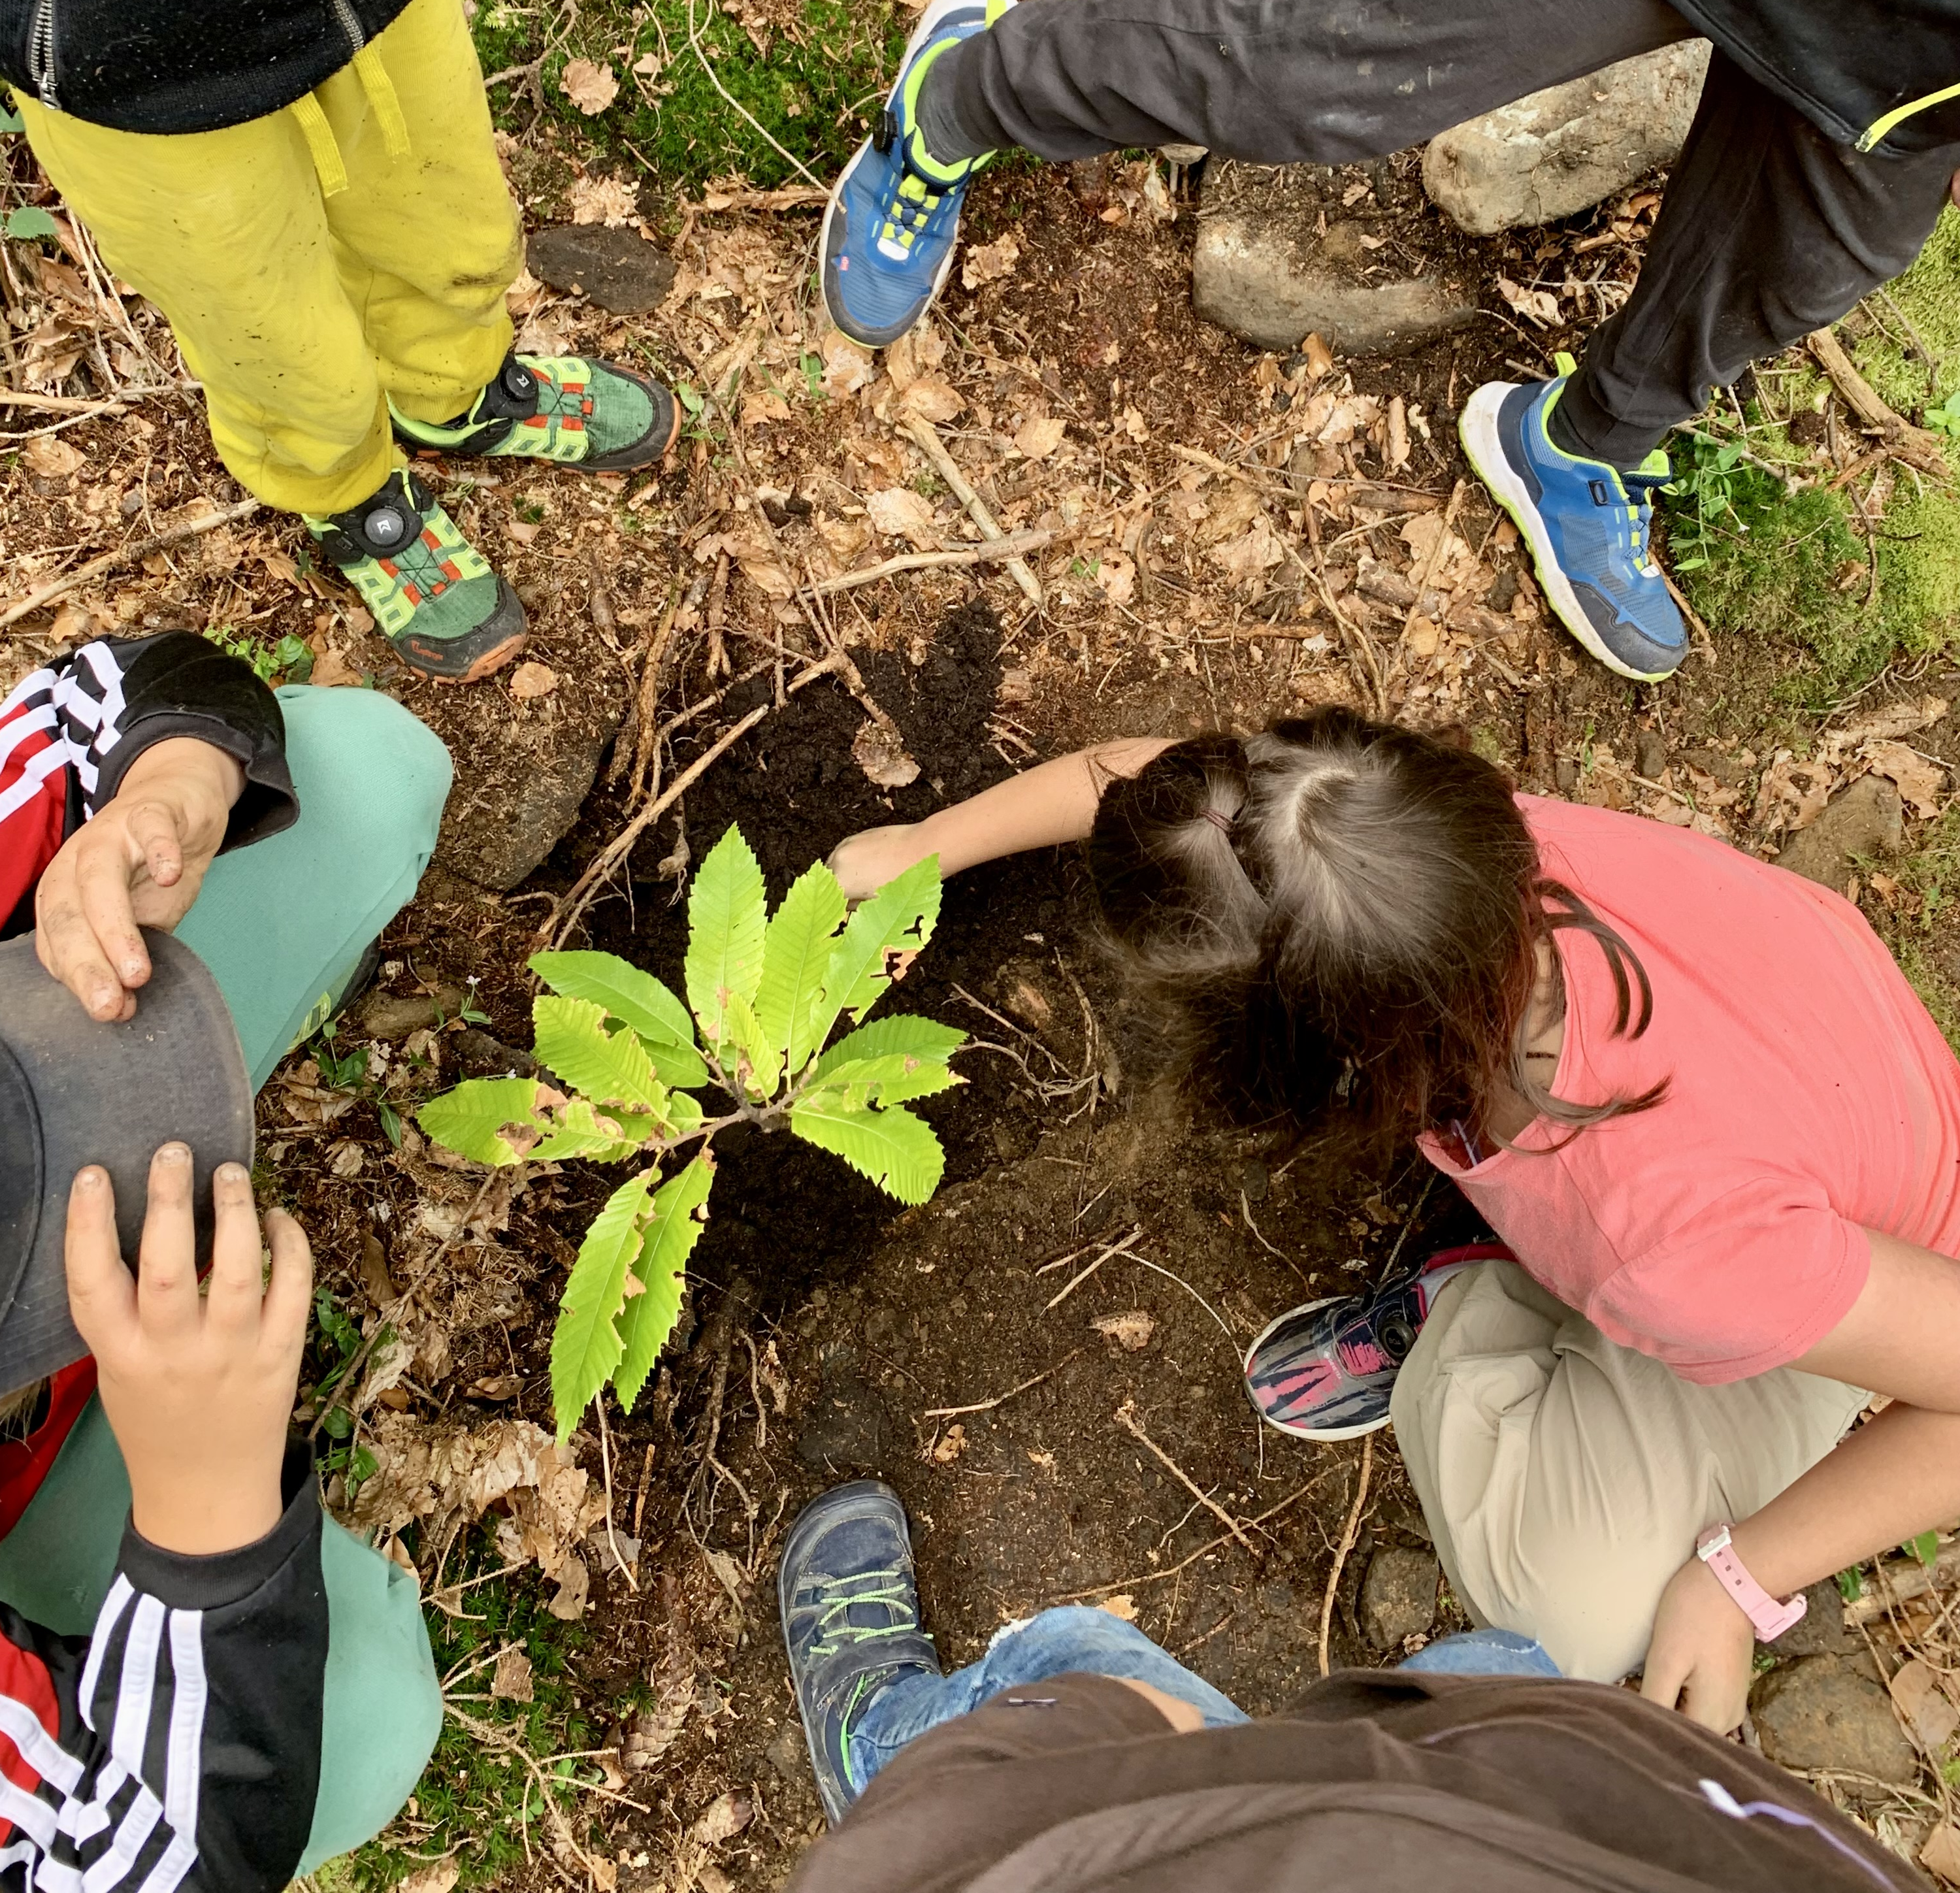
[30,221]
[1710,476]
[765,992]
[343,1453]
[285,660]
[1946,418]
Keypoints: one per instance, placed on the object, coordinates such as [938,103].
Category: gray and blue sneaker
[894,217]
[851,1621]
[1586,523]
[1325,1371]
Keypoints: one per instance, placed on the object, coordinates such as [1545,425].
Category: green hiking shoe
[433,594]
[593,414]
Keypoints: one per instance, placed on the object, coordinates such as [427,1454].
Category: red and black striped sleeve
[70,731]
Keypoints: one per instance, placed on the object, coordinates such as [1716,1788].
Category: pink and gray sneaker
[1325,1371]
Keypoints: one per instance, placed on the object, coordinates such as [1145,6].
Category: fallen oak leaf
[589,85]
[1035,440]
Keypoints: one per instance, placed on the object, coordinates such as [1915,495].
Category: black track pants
[1769,231]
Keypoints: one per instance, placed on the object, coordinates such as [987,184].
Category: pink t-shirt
[1810,1098]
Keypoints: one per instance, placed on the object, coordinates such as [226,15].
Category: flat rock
[522,801]
[1821,1631]
[1267,277]
[1831,1712]
[618,269]
[1865,819]
[390,1016]
[1563,150]
[1398,1594]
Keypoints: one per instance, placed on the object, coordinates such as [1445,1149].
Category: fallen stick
[1899,1581]
[123,555]
[1348,1532]
[1075,1281]
[74,403]
[987,553]
[1126,1418]
[791,197]
[1428,564]
[1915,446]
[920,430]
[999,1399]
[1387,587]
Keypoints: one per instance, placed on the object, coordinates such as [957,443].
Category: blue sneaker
[1325,1371]
[1586,523]
[851,1621]
[894,216]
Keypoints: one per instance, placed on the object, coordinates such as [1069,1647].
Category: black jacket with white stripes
[178,1746]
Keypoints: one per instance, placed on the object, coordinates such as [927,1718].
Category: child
[310,194]
[1692,1092]
[1815,168]
[224,1688]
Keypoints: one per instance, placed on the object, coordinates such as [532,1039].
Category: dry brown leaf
[933,398]
[1941,1853]
[1421,534]
[881,755]
[532,680]
[510,1680]
[51,458]
[610,201]
[918,351]
[1122,1605]
[589,84]
[1791,795]
[724,1817]
[846,366]
[439,1876]
[346,1158]
[1924,1707]
[1917,777]
[1888,721]
[1117,576]
[574,1589]
[1130,1331]
[1037,439]
[952,1446]
[332,671]
[1319,356]
[1539,305]
[900,512]
[988,262]
[1248,558]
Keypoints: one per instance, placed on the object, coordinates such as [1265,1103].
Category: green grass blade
[796,955]
[897,1151]
[586,1347]
[671,1230]
[880,937]
[609,1068]
[726,916]
[471,1120]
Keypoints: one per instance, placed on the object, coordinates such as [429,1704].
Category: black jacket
[181,66]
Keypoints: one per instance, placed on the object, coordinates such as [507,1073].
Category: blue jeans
[1078,1639]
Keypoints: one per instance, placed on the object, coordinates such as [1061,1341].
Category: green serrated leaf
[796,955]
[727,918]
[608,1067]
[902,1033]
[636,999]
[897,1151]
[889,928]
[672,1231]
[471,1119]
[581,1131]
[586,1346]
[30,221]
[894,1079]
[760,1059]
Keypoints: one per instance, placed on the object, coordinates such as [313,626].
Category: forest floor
[1043,1359]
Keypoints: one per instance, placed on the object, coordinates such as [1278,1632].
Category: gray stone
[390,1016]
[618,269]
[525,802]
[1831,1712]
[1820,1631]
[1561,151]
[1398,1594]
[1865,819]
[1267,278]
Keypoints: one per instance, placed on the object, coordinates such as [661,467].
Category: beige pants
[1566,1477]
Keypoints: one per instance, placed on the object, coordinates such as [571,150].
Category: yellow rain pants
[353,247]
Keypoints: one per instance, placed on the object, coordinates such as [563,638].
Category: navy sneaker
[894,216]
[850,1620]
[1586,523]
[1325,1371]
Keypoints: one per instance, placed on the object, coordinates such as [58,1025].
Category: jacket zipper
[350,22]
[1893,118]
[41,53]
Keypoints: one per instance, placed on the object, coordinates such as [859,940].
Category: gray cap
[74,1092]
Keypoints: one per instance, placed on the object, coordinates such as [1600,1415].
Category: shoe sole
[492,660]
[1476,428]
[1280,1426]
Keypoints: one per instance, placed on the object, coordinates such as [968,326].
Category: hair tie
[1223,823]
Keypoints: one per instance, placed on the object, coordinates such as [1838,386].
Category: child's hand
[1700,1659]
[865,862]
[198,1387]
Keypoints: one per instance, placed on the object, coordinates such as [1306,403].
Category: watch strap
[1771,1616]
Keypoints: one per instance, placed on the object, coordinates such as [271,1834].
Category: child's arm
[1053,803]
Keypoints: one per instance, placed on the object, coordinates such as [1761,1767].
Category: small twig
[124,554]
[1010,548]
[1928,360]
[82,406]
[1126,1418]
[1435,553]
[923,432]
[1348,1533]
[714,79]
[791,197]
[1915,446]
[999,1399]
[646,1473]
[605,1467]
[1116,1248]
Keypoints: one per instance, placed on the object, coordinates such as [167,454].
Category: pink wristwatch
[1771,1616]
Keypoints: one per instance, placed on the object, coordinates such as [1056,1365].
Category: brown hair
[1338,922]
